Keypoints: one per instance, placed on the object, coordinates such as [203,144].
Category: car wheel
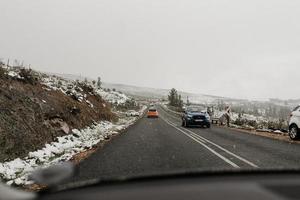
[294,132]
[208,125]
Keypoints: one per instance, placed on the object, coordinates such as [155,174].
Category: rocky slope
[35,109]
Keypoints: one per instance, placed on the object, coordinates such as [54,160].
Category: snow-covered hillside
[193,97]
[75,141]
[17,171]
[71,87]
[145,92]
[260,111]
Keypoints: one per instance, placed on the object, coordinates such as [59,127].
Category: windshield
[110,86]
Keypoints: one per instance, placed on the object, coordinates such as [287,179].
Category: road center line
[216,145]
[192,135]
[223,149]
[196,136]
[204,145]
[169,114]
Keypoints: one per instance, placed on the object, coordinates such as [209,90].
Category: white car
[294,124]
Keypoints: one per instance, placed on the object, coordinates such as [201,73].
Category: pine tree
[175,99]
[172,97]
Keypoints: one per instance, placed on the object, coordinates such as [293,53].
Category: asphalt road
[155,146]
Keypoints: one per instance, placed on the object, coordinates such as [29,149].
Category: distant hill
[147,92]
[163,93]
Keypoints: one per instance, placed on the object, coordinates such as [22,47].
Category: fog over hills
[147,92]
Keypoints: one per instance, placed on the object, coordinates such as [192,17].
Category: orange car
[152,113]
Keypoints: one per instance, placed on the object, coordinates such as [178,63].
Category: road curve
[162,145]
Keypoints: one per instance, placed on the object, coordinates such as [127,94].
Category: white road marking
[225,150]
[200,139]
[195,134]
[204,145]
[204,140]
[169,114]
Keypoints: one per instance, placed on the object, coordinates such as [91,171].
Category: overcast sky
[234,48]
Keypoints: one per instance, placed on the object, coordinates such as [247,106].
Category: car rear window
[152,110]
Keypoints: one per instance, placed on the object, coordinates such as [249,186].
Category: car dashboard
[263,186]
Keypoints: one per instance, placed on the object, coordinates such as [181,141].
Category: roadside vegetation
[251,115]
[263,116]
[175,101]
[32,114]
[46,119]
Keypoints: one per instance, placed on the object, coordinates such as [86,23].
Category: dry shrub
[29,76]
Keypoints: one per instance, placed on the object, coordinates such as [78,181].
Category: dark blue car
[194,117]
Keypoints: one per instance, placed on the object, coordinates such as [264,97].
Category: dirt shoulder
[276,136]
[80,157]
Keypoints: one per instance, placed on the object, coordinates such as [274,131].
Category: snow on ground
[234,116]
[13,74]
[70,87]
[17,171]
[112,96]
